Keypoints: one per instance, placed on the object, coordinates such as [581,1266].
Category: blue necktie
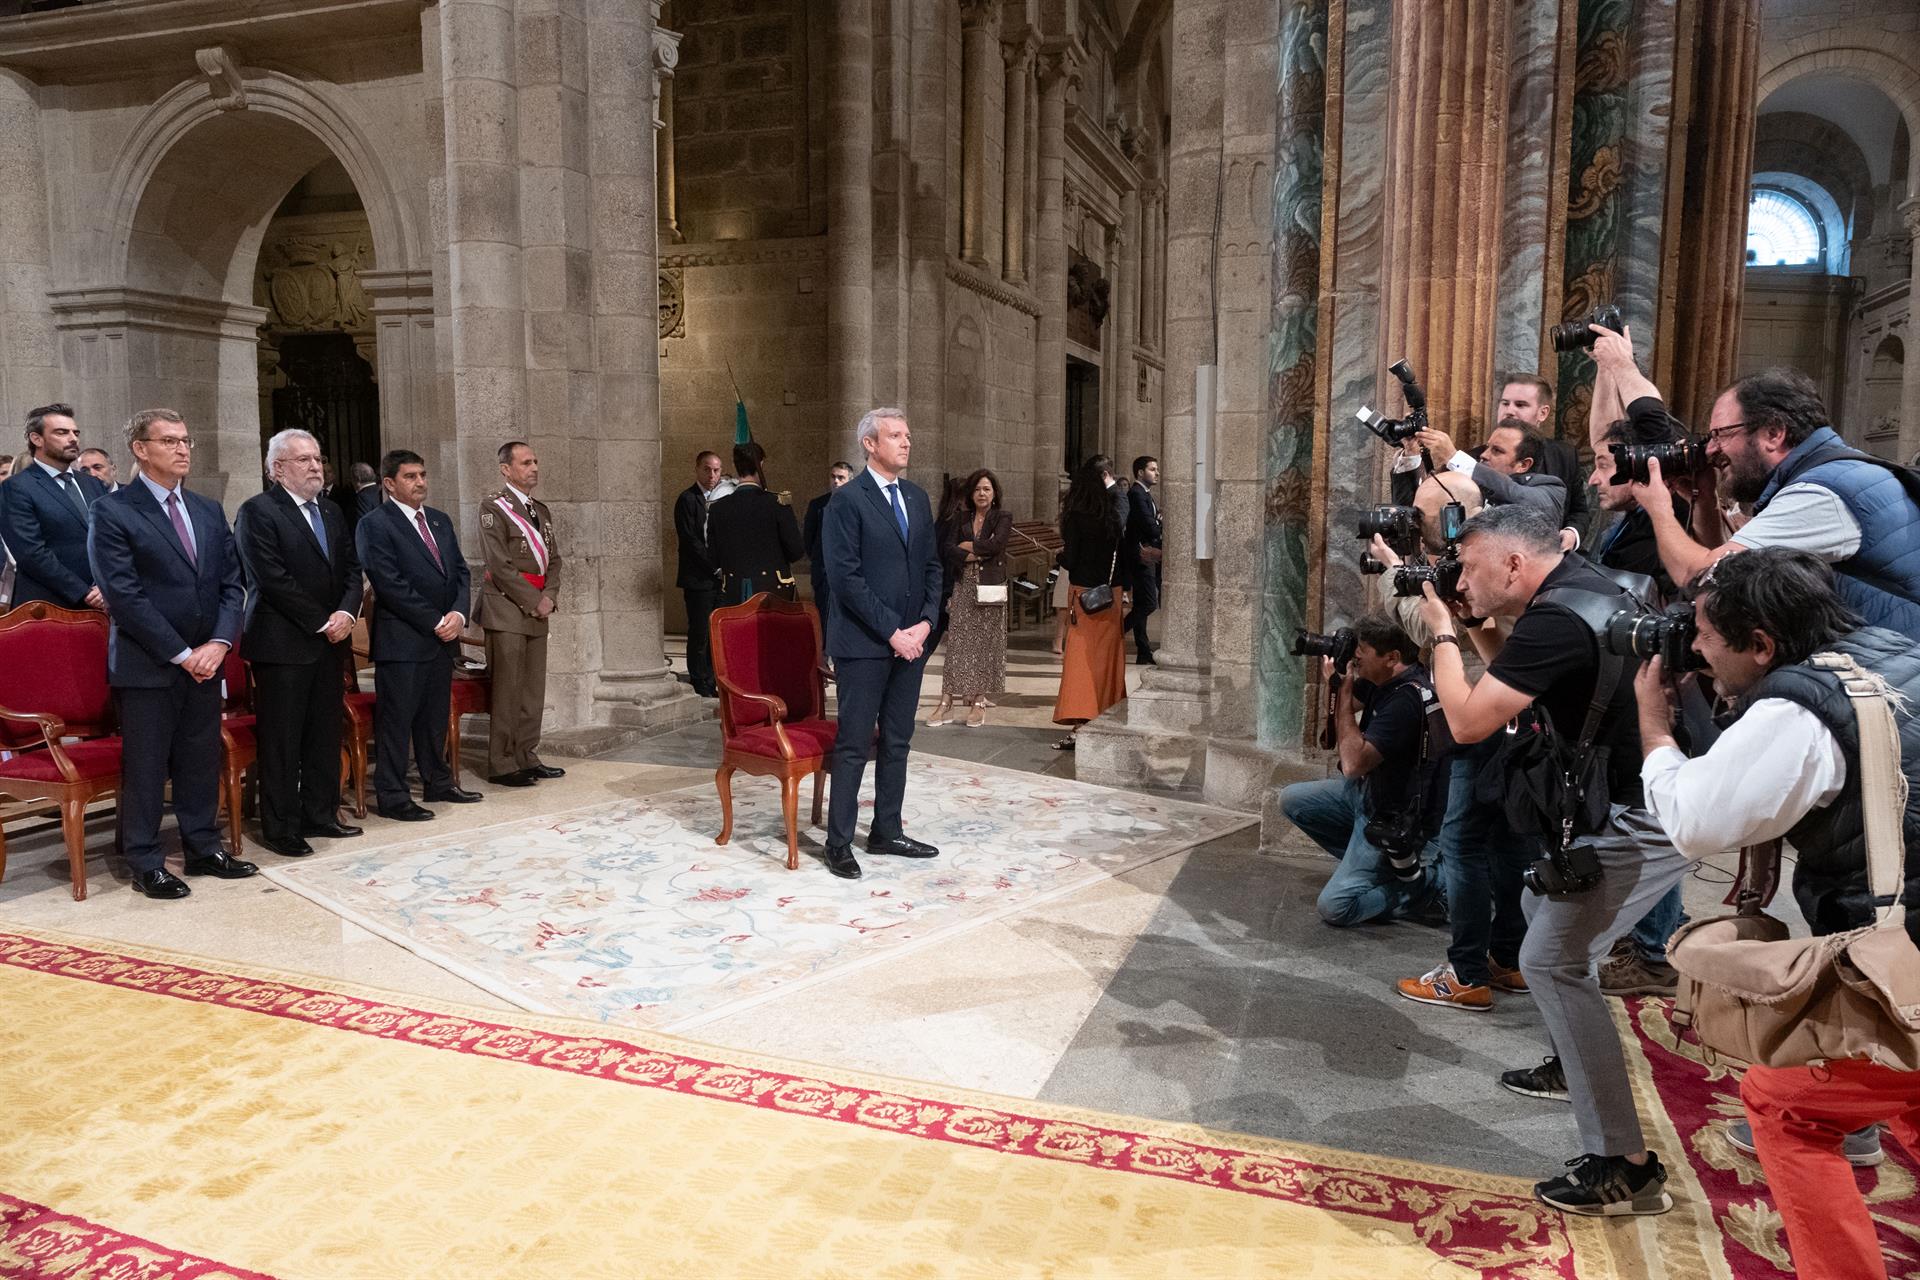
[319,530]
[899,512]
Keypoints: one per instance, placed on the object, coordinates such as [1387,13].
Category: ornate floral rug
[265,1126]
[1697,1100]
[627,912]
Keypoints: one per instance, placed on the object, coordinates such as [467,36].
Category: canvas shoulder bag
[1755,995]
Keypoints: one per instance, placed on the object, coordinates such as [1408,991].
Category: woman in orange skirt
[1093,670]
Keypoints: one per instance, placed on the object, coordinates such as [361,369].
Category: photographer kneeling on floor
[1572,708]
[1377,818]
[1789,767]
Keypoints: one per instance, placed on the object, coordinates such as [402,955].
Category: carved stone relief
[673,303]
[309,276]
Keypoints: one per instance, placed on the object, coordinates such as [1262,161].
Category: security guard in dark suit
[519,594]
[752,536]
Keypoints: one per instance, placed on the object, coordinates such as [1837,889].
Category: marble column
[1019,60]
[849,220]
[1534,183]
[1910,367]
[1059,68]
[981,77]
[1447,163]
[1710,268]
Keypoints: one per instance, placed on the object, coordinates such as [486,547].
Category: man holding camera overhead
[1605,861]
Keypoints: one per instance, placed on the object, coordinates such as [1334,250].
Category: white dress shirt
[1772,767]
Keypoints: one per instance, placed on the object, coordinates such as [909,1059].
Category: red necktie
[420,518]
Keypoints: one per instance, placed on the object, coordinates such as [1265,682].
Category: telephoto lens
[1339,646]
[1398,526]
[1575,334]
[1667,635]
[1370,565]
[1682,457]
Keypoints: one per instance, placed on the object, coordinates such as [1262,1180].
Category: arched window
[1782,231]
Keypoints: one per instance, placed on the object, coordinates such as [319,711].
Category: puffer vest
[1881,580]
[1830,878]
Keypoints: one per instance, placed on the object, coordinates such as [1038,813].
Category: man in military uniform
[522,583]
[752,536]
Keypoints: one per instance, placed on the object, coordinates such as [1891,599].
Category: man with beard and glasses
[1771,445]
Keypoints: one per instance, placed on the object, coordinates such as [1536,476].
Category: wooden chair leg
[790,810]
[819,789]
[359,775]
[723,779]
[233,785]
[73,825]
[453,745]
[3,851]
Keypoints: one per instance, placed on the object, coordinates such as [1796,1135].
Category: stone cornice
[120,308]
[735,253]
[977,281]
[118,32]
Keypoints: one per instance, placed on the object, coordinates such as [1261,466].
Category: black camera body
[1401,836]
[1371,565]
[1682,457]
[1443,573]
[1398,526]
[1576,334]
[1667,635]
[1340,646]
[1397,431]
[1574,869]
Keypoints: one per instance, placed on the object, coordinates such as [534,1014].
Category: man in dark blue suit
[421,595]
[811,530]
[166,565]
[883,569]
[43,515]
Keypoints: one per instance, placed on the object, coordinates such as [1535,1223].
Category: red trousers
[1799,1118]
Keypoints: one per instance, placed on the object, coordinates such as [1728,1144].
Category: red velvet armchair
[357,732]
[773,700]
[53,685]
[239,748]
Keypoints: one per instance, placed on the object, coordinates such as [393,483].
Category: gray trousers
[1566,937]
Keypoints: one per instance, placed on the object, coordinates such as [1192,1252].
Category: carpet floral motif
[627,912]
[1702,1097]
[1508,1237]
[37,1243]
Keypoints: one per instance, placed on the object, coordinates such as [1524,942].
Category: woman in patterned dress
[975,551]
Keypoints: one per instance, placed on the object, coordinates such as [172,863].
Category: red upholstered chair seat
[95,758]
[471,694]
[240,729]
[807,737]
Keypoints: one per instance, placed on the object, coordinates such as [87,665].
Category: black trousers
[1146,602]
[171,733]
[297,705]
[410,706]
[700,606]
[875,693]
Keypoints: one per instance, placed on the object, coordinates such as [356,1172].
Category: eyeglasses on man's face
[170,442]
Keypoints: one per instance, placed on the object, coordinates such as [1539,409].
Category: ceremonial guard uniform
[523,564]
[753,540]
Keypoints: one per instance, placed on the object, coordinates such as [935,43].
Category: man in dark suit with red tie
[421,598]
[166,565]
[883,569]
[303,594]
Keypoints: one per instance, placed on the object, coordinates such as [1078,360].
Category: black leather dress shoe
[160,883]
[518,778]
[453,795]
[330,830]
[294,848]
[841,862]
[545,771]
[221,865]
[408,812]
[901,847]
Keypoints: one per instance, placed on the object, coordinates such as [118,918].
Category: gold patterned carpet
[181,1118]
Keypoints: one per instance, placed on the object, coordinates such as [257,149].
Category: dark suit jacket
[1560,459]
[48,537]
[751,532]
[1629,544]
[881,583]
[1143,530]
[690,532]
[810,532]
[365,500]
[990,548]
[292,588]
[411,593]
[159,601]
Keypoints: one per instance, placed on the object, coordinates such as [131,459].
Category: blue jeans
[1480,865]
[1657,926]
[1363,887]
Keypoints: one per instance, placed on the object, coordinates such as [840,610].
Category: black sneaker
[1608,1187]
[1544,1081]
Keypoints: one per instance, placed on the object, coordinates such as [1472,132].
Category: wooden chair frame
[236,758]
[72,793]
[792,766]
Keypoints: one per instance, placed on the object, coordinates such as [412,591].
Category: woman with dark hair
[974,550]
[1093,670]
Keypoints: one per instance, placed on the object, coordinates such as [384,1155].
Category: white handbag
[996,594]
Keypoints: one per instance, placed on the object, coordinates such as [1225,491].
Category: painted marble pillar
[1447,160]
[1532,212]
[1910,369]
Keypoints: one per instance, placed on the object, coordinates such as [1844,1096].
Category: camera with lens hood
[1575,334]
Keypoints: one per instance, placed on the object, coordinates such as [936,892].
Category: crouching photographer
[1567,777]
[1791,766]
[1378,817]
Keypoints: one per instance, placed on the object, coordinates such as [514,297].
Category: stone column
[1122,334]
[1033,167]
[1447,160]
[849,219]
[1153,251]
[927,239]
[1910,367]
[668,195]
[30,372]
[980,76]
[1013,210]
[1059,68]
[1710,267]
